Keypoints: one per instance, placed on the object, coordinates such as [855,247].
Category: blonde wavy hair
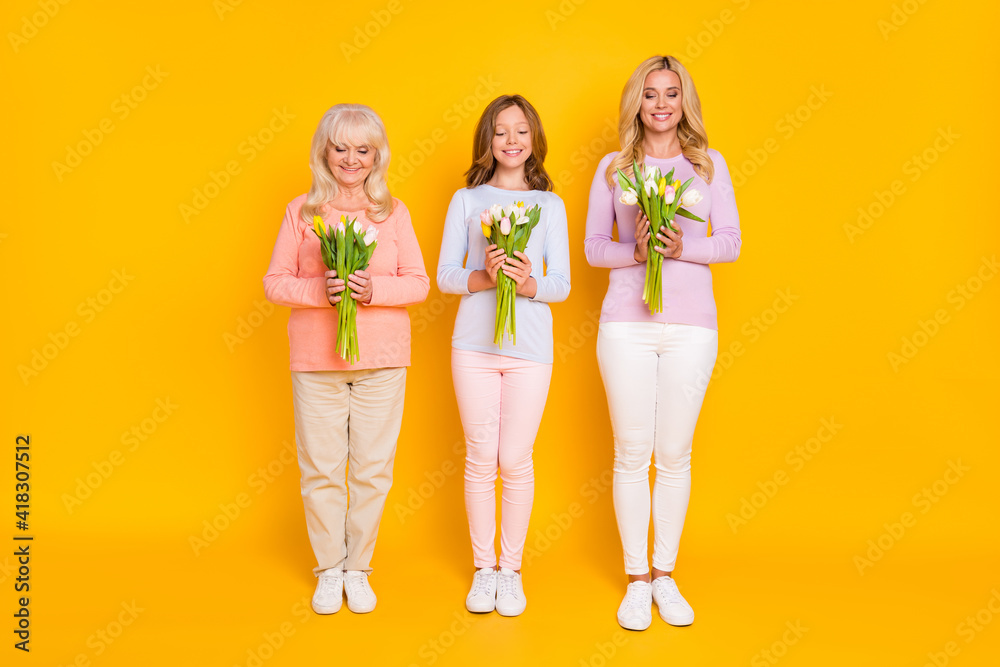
[349,125]
[631,132]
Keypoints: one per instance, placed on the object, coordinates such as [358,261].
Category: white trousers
[655,376]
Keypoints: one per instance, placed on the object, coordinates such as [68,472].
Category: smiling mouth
[513,152]
[351,170]
[661,116]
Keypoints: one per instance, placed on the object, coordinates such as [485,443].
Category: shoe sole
[637,629]
[326,610]
[676,621]
[479,610]
[508,613]
[361,610]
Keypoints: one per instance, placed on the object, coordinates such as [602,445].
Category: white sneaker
[674,609]
[510,595]
[482,597]
[360,596]
[329,593]
[636,610]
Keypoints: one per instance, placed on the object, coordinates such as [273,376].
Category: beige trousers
[346,427]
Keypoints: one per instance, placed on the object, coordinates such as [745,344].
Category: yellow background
[885,81]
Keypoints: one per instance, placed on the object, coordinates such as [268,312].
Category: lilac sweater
[687,280]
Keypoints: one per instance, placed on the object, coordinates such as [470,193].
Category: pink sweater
[295,279]
[687,280]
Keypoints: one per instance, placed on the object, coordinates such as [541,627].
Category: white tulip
[371,234]
[505,225]
[690,197]
[357,226]
[629,197]
[496,211]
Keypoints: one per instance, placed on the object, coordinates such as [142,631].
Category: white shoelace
[356,586]
[328,584]
[481,582]
[634,597]
[505,585]
[668,589]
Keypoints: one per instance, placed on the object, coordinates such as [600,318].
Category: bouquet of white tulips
[346,249]
[509,227]
[661,198]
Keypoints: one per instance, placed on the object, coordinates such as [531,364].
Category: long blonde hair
[631,132]
[484,164]
[354,125]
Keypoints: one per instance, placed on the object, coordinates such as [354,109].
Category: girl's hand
[361,286]
[673,246]
[518,269]
[334,286]
[494,260]
[641,237]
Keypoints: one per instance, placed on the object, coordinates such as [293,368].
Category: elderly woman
[347,416]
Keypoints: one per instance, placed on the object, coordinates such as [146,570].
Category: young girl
[501,391]
[654,366]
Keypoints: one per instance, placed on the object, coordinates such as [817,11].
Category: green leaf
[624,182]
[687,214]
[684,186]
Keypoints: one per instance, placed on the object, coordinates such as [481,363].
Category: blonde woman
[347,417]
[654,367]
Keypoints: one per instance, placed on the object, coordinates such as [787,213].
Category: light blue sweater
[463,249]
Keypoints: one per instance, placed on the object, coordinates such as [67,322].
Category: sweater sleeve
[724,243]
[282,284]
[554,285]
[452,276]
[601,250]
[410,284]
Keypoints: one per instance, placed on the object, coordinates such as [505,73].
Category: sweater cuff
[698,250]
[620,255]
[462,286]
[319,293]
[378,292]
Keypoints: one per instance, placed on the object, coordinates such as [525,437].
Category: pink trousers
[500,401]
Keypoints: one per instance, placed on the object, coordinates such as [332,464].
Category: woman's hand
[361,286]
[641,237]
[518,269]
[495,257]
[673,246]
[334,286]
